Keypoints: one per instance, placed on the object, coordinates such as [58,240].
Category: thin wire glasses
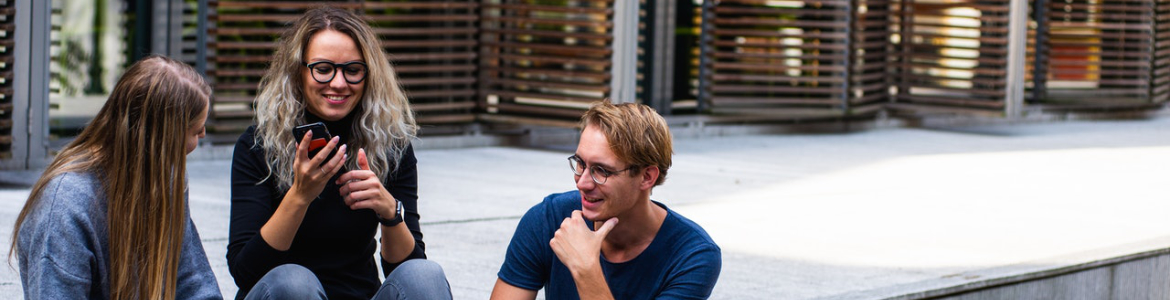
[596,172]
[323,71]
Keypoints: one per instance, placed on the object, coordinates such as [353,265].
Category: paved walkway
[861,215]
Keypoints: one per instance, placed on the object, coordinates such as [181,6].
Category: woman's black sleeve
[403,185]
[249,257]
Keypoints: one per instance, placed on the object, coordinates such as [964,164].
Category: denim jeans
[413,279]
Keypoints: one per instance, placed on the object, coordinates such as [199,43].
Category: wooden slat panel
[951,54]
[7,81]
[432,44]
[870,77]
[1160,87]
[1098,52]
[772,57]
[444,88]
[544,62]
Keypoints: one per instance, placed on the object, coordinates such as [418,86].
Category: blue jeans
[413,279]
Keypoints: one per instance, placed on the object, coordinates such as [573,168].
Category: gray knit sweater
[64,248]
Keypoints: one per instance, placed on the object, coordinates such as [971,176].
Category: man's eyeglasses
[323,71]
[596,172]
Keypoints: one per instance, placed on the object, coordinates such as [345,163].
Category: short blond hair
[636,133]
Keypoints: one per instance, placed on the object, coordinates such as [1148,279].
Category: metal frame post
[623,80]
[703,96]
[850,59]
[1040,57]
[201,38]
[167,28]
[1017,45]
[30,130]
[659,44]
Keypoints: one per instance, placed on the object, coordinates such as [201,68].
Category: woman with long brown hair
[108,219]
[305,226]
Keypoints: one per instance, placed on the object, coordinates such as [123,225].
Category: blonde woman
[109,219]
[303,226]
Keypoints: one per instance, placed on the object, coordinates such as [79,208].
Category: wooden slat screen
[787,58]
[869,76]
[240,41]
[189,43]
[431,44]
[1099,52]
[952,55]
[7,43]
[544,63]
[1160,87]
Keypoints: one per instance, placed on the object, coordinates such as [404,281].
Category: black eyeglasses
[578,166]
[323,71]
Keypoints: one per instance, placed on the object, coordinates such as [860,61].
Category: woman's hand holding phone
[361,189]
[311,175]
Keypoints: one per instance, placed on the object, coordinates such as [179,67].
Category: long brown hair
[384,125]
[135,144]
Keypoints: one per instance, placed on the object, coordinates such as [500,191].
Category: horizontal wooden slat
[775,56]
[543,96]
[967,102]
[228,99]
[437,81]
[550,34]
[425,107]
[464,43]
[772,100]
[758,67]
[552,49]
[548,84]
[440,93]
[524,8]
[452,68]
[408,18]
[764,10]
[543,110]
[306,5]
[549,72]
[445,118]
[780,22]
[743,88]
[570,60]
[775,78]
[838,45]
[778,34]
[432,56]
[548,21]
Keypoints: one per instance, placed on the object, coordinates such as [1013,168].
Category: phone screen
[320,137]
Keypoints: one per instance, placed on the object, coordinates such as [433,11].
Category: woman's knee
[289,281]
[419,268]
[416,279]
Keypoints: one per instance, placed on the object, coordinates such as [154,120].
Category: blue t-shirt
[681,263]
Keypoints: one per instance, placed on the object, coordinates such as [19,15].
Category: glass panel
[87,55]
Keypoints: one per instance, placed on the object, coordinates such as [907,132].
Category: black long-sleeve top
[333,241]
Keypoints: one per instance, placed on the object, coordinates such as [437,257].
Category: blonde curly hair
[384,123]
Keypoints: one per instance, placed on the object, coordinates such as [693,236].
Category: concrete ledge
[1121,272]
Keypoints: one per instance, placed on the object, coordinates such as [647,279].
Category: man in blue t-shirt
[572,243]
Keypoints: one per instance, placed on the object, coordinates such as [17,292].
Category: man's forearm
[591,284]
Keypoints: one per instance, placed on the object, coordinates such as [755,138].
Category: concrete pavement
[865,215]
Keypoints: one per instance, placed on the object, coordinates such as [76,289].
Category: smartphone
[320,137]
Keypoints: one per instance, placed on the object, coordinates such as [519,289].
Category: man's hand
[580,250]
